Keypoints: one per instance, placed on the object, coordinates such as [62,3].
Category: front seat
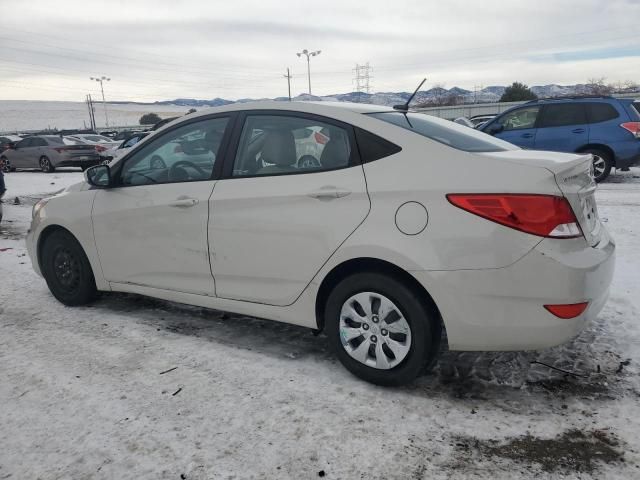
[279,149]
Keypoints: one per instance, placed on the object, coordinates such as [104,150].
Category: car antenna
[405,107]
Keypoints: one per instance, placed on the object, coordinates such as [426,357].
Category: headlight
[38,206]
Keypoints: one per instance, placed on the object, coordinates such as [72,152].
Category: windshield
[444,131]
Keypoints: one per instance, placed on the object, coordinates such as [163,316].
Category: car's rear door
[562,127]
[151,229]
[274,221]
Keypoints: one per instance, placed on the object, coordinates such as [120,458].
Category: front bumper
[503,309]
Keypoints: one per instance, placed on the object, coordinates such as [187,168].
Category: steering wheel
[173,171]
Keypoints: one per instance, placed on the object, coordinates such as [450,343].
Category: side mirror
[494,128]
[99,176]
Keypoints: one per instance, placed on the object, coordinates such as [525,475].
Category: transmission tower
[362,78]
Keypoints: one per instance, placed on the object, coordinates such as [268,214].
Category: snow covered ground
[132,387]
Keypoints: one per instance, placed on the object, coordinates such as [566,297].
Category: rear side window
[372,147]
[563,114]
[636,105]
[443,131]
[601,112]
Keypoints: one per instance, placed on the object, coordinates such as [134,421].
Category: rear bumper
[503,309]
[79,163]
[628,156]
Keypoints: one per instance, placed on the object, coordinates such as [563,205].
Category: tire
[45,165]
[421,341]
[67,270]
[602,164]
[5,165]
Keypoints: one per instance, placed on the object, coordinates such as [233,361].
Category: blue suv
[606,127]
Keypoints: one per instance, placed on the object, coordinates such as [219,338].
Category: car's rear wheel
[602,164]
[45,165]
[67,270]
[380,329]
[5,165]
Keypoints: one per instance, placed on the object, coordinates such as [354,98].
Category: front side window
[280,144]
[563,114]
[521,118]
[184,154]
[443,131]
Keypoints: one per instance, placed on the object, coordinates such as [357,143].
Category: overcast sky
[162,49]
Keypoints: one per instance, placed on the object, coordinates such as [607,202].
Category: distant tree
[192,110]
[597,86]
[517,92]
[149,119]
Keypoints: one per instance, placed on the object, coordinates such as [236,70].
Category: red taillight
[61,149]
[100,148]
[320,138]
[542,215]
[633,127]
[567,311]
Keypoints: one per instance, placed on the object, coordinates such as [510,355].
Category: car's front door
[519,126]
[19,155]
[562,127]
[275,220]
[151,229]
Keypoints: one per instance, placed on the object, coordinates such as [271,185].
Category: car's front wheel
[45,165]
[380,329]
[67,270]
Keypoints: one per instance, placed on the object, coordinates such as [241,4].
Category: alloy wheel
[67,269]
[599,166]
[45,165]
[374,331]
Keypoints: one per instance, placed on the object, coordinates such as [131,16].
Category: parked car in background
[48,152]
[464,121]
[105,146]
[7,141]
[125,134]
[378,244]
[479,120]
[162,123]
[606,127]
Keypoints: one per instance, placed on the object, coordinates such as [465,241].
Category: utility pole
[104,104]
[288,77]
[362,78]
[309,54]
[92,113]
[476,89]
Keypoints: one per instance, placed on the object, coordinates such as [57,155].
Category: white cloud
[163,49]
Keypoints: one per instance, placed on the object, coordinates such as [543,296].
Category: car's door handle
[184,202]
[578,130]
[527,135]
[328,193]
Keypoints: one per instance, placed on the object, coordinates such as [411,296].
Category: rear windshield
[65,141]
[96,138]
[444,131]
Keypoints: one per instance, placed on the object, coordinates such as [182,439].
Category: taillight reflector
[542,215]
[633,127]
[567,311]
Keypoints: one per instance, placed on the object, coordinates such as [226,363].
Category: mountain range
[431,96]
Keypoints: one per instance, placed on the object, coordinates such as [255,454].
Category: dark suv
[607,127]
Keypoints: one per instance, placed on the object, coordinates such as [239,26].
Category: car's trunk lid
[574,176]
[578,186]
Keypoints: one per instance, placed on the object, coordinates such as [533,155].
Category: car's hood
[77,187]
[553,161]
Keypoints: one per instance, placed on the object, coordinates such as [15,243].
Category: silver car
[48,152]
